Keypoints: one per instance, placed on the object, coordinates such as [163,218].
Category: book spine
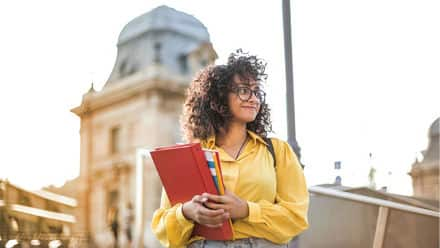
[203,169]
[221,187]
[212,167]
[219,173]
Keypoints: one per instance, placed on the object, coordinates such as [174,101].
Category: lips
[250,107]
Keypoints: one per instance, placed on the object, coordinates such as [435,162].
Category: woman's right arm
[173,225]
[169,224]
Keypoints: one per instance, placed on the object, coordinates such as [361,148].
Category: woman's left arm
[287,217]
[284,219]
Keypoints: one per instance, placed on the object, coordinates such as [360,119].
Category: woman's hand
[196,211]
[229,202]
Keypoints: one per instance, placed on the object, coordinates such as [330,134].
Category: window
[24,199]
[112,209]
[50,206]
[112,198]
[115,140]
[183,62]
[157,55]
[126,69]
[203,62]
[123,68]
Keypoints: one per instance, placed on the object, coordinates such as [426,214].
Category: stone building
[34,217]
[425,174]
[158,54]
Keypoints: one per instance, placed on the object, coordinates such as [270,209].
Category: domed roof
[164,18]
[162,36]
[434,130]
[431,156]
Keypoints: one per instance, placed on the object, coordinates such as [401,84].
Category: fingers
[225,202]
[216,198]
[210,213]
[199,199]
[214,221]
[213,205]
[214,217]
[202,200]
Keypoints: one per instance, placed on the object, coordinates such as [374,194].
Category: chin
[245,117]
[248,119]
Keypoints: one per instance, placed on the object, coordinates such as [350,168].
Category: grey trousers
[239,243]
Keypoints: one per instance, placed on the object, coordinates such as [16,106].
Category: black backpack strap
[271,150]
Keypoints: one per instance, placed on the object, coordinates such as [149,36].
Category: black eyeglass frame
[259,93]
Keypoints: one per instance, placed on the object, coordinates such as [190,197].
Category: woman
[225,109]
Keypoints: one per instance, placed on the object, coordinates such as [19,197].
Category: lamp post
[291,138]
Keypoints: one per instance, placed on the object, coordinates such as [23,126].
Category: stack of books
[188,170]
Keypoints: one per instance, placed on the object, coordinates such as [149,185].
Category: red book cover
[184,172]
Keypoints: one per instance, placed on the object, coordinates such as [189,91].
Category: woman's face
[244,104]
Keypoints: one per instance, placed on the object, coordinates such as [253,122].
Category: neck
[234,135]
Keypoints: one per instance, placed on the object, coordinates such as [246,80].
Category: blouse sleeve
[169,225]
[287,217]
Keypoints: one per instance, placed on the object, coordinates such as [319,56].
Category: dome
[431,154]
[164,18]
[162,36]
[434,130]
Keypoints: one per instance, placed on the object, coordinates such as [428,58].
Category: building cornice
[427,169]
[154,77]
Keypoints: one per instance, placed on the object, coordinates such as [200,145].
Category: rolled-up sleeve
[169,225]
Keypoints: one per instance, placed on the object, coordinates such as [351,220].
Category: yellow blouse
[278,200]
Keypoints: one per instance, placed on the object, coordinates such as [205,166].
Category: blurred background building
[425,173]
[139,106]
[34,217]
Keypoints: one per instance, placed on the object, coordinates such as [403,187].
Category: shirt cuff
[181,218]
[254,212]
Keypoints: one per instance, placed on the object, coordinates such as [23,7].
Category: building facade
[34,217]
[139,106]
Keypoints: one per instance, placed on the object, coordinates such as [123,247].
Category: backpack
[271,150]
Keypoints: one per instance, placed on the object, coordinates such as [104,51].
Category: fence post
[381,226]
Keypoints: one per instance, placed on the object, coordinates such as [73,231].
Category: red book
[184,172]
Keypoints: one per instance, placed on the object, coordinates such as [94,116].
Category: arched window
[183,64]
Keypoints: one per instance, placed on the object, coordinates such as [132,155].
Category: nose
[254,97]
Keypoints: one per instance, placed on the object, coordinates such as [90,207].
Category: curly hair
[206,109]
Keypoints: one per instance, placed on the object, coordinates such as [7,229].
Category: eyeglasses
[245,93]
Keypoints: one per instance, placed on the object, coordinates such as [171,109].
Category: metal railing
[384,209]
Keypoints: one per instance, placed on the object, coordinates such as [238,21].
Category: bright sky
[366,78]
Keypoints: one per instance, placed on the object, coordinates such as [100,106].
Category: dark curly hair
[206,109]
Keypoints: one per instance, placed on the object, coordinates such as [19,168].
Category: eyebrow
[246,83]
[256,87]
